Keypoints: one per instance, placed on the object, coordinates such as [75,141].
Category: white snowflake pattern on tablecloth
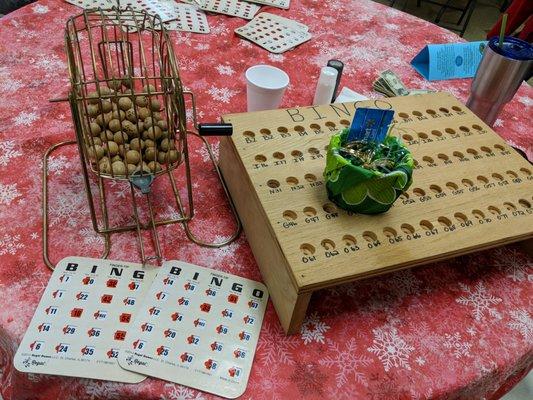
[346,361]
[8,193]
[514,264]
[40,9]
[202,46]
[313,329]
[225,69]
[10,85]
[525,100]
[96,390]
[454,342]
[480,300]
[404,283]
[269,385]
[91,238]
[10,244]
[390,348]
[57,163]
[178,392]
[522,323]
[204,153]
[51,64]
[275,346]
[420,360]
[70,206]
[276,57]
[221,94]
[25,118]
[498,122]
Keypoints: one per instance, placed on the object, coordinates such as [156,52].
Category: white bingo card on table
[197,327]
[83,318]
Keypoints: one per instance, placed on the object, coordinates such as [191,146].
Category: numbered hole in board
[426,225]
[315,127]
[509,206]
[292,181]
[464,129]
[309,211]
[404,196]
[445,222]
[248,134]
[407,229]
[313,151]
[459,155]
[444,110]
[272,183]
[494,210]
[478,214]
[486,149]
[328,244]
[428,160]
[282,129]
[499,147]
[310,177]
[436,133]
[422,135]
[450,131]
[524,203]
[390,232]
[512,174]
[307,249]
[452,186]
[460,217]
[345,122]
[349,240]
[417,113]
[296,153]
[278,156]
[407,137]
[331,125]
[525,171]
[472,152]
[497,177]
[482,179]
[467,182]
[299,128]
[265,132]
[477,127]
[289,215]
[431,112]
[435,189]
[370,236]
[443,157]
[329,208]
[260,158]
[403,115]
[419,192]
[457,109]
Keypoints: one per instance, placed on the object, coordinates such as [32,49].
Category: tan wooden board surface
[470,191]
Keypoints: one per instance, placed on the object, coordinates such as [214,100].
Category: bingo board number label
[197,327]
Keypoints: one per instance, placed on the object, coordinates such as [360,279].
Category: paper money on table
[390,85]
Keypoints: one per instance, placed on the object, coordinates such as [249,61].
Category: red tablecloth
[460,329]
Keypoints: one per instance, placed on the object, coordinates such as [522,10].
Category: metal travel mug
[498,77]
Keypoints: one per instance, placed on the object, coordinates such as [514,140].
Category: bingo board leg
[291,322]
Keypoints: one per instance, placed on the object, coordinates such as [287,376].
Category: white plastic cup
[265,86]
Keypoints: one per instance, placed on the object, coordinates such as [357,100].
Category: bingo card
[197,327]
[83,318]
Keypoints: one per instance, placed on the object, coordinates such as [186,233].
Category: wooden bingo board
[471,191]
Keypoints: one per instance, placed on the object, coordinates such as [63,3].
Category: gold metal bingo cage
[130,117]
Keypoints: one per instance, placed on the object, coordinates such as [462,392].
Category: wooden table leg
[292,322]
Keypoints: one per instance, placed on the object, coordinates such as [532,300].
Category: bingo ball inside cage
[130,118]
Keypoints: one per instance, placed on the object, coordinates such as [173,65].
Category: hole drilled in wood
[428,159]
[407,229]
[403,115]
[494,210]
[458,109]
[328,244]
[313,150]
[509,206]
[474,152]
[315,127]
[431,112]
[422,135]
[279,156]
[330,125]
[307,249]
[296,153]
[425,224]
[525,171]
[499,147]
[272,183]
[265,131]
[310,178]
[349,240]
[458,154]
[524,203]
[477,127]
[467,182]
[344,122]
[291,180]
[407,137]
[460,217]
[486,149]
[417,113]
[282,129]
[512,174]
[444,221]
[260,158]
[464,129]
[369,236]
[497,176]
[452,186]
[419,192]
[404,196]
[450,131]
[309,211]
[435,188]
[299,128]
[437,133]
[483,179]
[443,156]
[478,214]
[248,134]
[329,208]
[389,232]
[289,215]
[444,110]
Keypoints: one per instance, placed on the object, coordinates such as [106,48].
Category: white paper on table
[347,94]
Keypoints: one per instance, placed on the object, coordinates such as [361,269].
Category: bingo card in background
[197,327]
[83,318]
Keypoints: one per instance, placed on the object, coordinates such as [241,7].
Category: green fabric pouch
[361,190]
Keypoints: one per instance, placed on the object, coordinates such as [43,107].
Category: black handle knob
[215,129]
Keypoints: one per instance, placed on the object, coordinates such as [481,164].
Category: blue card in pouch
[370,125]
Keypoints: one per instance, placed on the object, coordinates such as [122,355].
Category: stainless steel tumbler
[498,77]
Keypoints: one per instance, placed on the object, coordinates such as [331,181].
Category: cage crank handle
[215,129]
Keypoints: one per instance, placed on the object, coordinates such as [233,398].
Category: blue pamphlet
[448,61]
[370,124]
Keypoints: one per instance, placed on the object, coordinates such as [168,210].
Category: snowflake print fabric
[461,328]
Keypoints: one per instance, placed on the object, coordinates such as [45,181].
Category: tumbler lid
[512,48]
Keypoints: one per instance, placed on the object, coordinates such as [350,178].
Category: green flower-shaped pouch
[361,190]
